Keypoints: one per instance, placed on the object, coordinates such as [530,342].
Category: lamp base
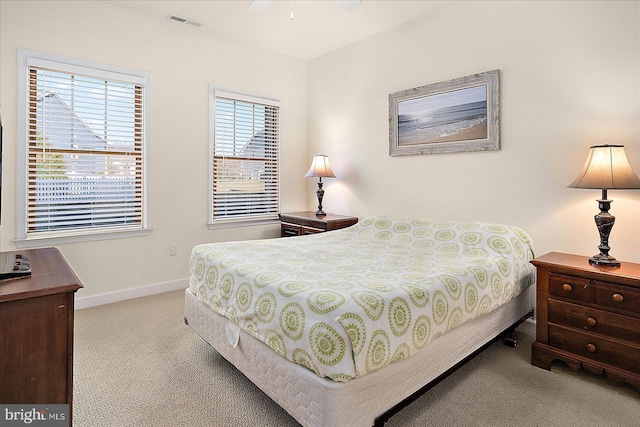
[320,194]
[607,260]
[604,221]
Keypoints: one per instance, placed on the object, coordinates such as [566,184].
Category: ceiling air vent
[184,20]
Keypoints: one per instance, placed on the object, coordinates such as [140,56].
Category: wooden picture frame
[446,117]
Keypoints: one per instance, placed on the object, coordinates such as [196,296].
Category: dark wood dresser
[300,223]
[588,316]
[36,332]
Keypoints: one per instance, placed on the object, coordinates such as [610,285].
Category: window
[84,148]
[244,158]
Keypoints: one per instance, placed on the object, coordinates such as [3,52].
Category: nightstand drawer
[311,230]
[616,296]
[592,320]
[570,287]
[307,222]
[595,347]
[289,229]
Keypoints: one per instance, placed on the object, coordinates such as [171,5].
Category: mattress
[347,303]
[320,402]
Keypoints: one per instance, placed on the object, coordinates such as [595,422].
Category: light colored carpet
[138,364]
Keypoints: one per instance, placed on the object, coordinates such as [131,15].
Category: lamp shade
[607,167]
[320,168]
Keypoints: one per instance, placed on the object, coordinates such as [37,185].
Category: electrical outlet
[172,250]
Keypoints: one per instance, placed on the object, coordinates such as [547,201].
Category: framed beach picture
[452,116]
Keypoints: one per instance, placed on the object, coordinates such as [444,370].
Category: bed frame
[365,401]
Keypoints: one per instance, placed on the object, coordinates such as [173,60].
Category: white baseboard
[125,294]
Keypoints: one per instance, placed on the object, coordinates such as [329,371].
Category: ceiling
[318,27]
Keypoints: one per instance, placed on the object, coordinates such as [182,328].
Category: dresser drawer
[595,347]
[617,296]
[570,287]
[593,320]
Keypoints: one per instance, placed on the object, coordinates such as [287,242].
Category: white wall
[570,78]
[182,62]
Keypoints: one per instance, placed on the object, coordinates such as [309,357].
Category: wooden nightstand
[588,316]
[300,223]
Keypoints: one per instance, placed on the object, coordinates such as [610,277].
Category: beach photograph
[457,115]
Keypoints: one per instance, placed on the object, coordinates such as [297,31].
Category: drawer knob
[591,348]
[618,298]
[567,287]
[591,321]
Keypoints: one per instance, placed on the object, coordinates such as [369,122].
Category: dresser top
[50,274]
[580,263]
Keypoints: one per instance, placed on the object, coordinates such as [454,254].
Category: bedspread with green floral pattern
[348,302]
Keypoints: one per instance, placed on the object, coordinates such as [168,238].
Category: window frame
[27,59]
[213,222]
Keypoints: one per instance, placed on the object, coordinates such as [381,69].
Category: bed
[339,328]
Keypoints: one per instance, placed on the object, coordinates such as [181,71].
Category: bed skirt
[317,401]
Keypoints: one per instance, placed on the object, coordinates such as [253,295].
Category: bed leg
[508,339]
[531,314]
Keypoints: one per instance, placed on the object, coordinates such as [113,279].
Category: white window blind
[246,139]
[85,151]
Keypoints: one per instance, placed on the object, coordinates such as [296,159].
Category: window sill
[241,223]
[35,242]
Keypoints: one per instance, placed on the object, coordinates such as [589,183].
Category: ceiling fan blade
[258,5]
[349,5]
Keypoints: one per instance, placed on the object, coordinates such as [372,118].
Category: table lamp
[606,168]
[320,168]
